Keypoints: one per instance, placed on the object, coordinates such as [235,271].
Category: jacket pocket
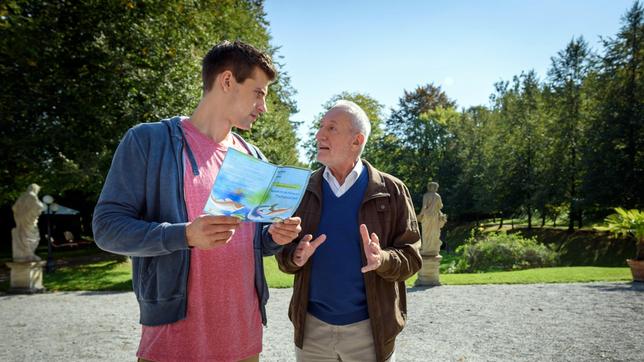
[163,277]
[392,311]
[377,215]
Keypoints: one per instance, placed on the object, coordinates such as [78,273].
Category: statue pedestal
[428,275]
[26,277]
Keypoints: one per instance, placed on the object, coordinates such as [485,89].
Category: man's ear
[358,140]
[225,80]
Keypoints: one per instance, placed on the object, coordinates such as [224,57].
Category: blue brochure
[254,190]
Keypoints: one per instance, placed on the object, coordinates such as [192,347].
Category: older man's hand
[284,232]
[371,249]
[306,248]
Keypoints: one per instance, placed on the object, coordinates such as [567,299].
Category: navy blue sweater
[337,293]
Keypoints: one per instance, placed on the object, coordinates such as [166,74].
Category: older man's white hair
[359,119]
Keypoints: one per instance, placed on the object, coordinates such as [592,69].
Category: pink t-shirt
[223,321]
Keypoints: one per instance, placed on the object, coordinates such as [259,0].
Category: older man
[349,300]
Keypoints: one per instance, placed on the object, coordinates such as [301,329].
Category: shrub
[627,222]
[502,251]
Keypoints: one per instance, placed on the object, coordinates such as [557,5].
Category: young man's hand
[306,248]
[208,231]
[284,232]
[371,249]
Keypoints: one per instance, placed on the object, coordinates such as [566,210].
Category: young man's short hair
[238,57]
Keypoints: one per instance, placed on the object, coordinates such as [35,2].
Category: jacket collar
[375,186]
[179,141]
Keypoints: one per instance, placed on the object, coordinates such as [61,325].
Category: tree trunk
[529,217]
[543,218]
[571,211]
[631,116]
[573,171]
[501,223]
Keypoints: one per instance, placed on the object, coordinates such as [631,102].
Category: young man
[349,300]
[198,278]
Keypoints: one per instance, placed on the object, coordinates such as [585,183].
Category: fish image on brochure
[255,190]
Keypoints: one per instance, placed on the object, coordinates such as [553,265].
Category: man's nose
[262,106]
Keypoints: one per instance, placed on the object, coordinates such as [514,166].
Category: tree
[417,128]
[550,193]
[615,151]
[104,66]
[567,74]
[461,170]
[503,174]
[521,110]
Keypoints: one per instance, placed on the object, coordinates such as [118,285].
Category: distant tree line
[75,75]
[570,144]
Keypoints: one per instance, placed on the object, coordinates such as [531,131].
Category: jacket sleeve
[285,258]
[117,223]
[402,260]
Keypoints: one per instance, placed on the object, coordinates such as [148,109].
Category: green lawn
[586,256]
[114,275]
[275,278]
[579,274]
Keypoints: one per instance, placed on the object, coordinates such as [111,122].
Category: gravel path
[554,322]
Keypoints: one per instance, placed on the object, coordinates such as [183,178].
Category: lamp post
[48,200]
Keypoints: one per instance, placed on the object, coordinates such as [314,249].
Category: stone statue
[432,220]
[25,236]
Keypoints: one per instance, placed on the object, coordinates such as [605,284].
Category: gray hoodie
[141,213]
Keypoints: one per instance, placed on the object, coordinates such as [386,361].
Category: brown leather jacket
[388,211]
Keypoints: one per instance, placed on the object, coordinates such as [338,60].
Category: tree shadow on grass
[585,247]
[111,275]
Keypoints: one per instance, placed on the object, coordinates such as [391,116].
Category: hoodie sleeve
[269,247]
[117,223]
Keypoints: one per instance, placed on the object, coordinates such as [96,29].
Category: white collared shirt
[352,177]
